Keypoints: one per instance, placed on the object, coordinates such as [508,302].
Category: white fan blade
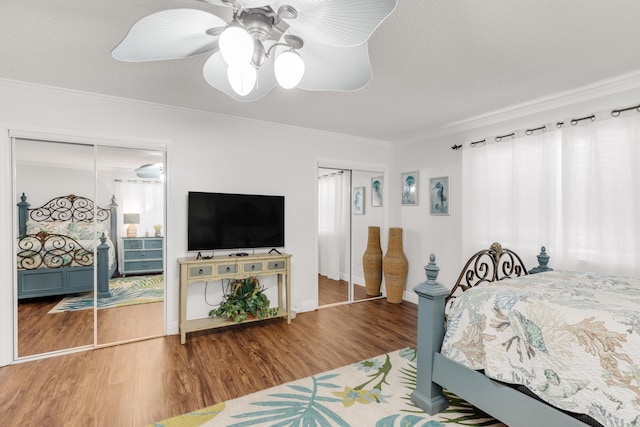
[215,73]
[334,68]
[169,34]
[337,22]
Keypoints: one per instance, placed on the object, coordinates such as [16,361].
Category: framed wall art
[410,188]
[358,200]
[439,195]
[377,185]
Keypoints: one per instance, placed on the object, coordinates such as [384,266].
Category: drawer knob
[253,267]
[275,265]
[228,269]
[200,271]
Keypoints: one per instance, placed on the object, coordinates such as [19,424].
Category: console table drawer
[227,268]
[276,265]
[252,266]
[200,271]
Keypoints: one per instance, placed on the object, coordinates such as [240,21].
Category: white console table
[224,267]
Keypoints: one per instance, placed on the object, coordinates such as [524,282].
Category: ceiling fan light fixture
[289,69]
[236,45]
[242,78]
[331,36]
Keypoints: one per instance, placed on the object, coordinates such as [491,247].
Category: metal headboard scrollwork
[51,251]
[488,265]
[65,208]
[69,208]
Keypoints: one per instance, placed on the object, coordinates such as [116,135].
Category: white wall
[205,153]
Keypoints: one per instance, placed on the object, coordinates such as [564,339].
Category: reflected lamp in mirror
[132,219]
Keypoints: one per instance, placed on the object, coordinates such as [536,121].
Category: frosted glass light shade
[289,69]
[242,78]
[236,45]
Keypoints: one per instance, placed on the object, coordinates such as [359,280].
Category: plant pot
[395,266]
[372,262]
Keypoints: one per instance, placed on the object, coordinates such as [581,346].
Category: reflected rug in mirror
[374,392]
[125,291]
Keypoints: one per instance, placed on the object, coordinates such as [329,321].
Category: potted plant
[245,298]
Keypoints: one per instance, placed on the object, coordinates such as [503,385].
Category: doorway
[345,211]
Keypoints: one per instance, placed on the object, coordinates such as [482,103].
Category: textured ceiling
[434,62]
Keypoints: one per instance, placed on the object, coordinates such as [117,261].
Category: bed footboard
[435,371]
[489,265]
[428,395]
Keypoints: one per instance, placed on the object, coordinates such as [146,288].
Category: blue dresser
[142,255]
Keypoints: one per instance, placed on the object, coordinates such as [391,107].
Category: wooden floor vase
[372,263]
[395,266]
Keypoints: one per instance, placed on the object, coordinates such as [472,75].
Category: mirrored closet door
[370,213]
[134,180]
[90,252]
[344,214]
[54,188]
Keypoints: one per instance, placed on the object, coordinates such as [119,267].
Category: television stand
[220,267]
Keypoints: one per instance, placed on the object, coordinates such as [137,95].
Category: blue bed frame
[54,279]
[435,372]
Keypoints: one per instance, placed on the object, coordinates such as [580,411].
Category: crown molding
[608,87]
[186,111]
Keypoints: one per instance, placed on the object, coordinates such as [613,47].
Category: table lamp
[132,219]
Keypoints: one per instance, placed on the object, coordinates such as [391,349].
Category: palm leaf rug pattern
[125,291]
[374,392]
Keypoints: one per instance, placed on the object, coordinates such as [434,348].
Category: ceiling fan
[318,45]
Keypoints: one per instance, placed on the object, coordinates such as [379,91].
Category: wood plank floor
[139,383]
[336,291]
[40,332]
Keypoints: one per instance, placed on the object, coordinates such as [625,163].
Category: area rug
[374,392]
[125,291]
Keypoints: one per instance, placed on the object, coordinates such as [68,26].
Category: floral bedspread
[571,338]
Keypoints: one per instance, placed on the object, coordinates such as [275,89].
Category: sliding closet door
[334,268]
[54,299]
[132,307]
[370,214]
[345,212]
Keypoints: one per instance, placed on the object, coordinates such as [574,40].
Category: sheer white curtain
[575,190]
[602,196]
[331,223]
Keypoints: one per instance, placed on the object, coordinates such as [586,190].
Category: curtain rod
[331,174]
[138,181]
[614,113]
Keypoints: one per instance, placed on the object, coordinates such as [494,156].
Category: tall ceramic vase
[372,262]
[395,267]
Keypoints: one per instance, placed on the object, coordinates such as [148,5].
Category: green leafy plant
[244,298]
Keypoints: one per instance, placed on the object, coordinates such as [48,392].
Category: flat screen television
[234,221]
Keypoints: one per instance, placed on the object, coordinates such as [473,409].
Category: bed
[546,349]
[58,242]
